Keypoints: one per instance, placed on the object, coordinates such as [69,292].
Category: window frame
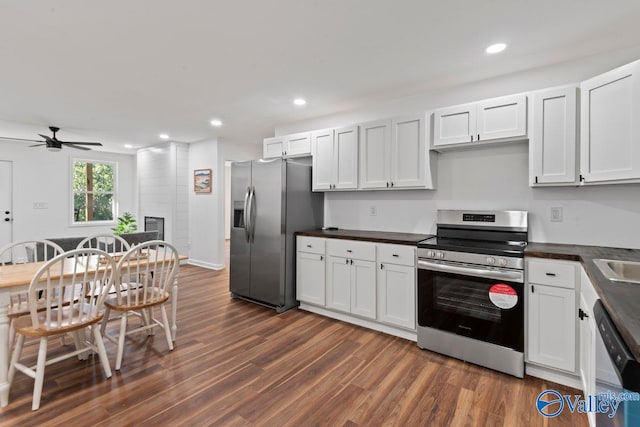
[72,221]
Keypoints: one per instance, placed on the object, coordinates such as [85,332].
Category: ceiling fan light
[54,148]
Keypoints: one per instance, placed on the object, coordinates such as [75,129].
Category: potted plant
[126,224]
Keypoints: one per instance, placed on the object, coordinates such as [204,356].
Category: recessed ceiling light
[163,136]
[216,122]
[128,146]
[496,48]
[299,101]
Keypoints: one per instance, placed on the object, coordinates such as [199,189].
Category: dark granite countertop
[369,236]
[622,300]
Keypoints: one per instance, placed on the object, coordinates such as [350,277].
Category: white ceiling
[122,71]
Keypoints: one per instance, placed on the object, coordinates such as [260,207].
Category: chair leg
[12,334]
[167,327]
[121,337]
[105,320]
[102,352]
[78,343]
[37,388]
[15,357]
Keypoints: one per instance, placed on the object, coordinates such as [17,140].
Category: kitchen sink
[620,271]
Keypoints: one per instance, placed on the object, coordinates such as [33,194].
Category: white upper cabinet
[454,125]
[375,145]
[273,147]
[552,137]
[504,117]
[345,156]
[408,152]
[322,149]
[488,120]
[393,154]
[610,125]
[295,145]
[335,159]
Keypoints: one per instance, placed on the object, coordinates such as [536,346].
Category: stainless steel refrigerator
[270,200]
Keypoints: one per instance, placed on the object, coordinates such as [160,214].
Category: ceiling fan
[53,143]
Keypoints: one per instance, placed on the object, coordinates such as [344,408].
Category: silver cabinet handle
[443,266]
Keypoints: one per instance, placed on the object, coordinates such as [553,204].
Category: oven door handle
[443,266]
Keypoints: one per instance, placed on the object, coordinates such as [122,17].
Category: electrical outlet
[555,214]
[373,211]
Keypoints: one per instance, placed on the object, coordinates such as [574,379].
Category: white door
[396,295]
[322,146]
[310,271]
[504,117]
[338,284]
[363,288]
[273,147]
[346,158]
[610,125]
[553,142]
[552,326]
[6,209]
[298,144]
[408,152]
[375,142]
[454,125]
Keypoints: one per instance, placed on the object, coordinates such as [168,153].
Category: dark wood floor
[237,363]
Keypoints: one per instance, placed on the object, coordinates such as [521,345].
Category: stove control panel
[471,258]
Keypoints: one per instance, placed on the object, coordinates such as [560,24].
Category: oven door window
[485,309]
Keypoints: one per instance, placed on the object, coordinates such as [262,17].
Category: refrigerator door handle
[246,215]
[252,213]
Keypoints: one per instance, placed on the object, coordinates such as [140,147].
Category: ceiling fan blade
[37,145]
[47,138]
[19,139]
[72,145]
[80,143]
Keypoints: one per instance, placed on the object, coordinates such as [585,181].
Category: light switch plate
[40,205]
[555,214]
[373,210]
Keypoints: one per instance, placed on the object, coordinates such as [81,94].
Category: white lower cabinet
[373,283]
[552,314]
[396,295]
[587,330]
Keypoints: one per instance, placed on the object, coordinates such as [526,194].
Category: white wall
[204,215]
[492,177]
[41,176]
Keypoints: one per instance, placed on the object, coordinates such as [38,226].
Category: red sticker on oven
[503,296]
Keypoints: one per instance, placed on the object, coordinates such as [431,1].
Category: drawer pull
[395,255]
[321,257]
[309,246]
[551,274]
[349,250]
[346,261]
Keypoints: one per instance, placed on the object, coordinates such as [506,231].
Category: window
[94,195]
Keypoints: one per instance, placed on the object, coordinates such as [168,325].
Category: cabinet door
[298,144]
[345,157]
[273,147]
[310,273]
[552,327]
[375,142]
[504,117]
[610,125]
[587,348]
[454,125]
[396,295]
[363,288]
[322,149]
[553,142]
[338,284]
[408,147]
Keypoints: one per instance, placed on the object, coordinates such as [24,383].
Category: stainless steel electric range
[471,288]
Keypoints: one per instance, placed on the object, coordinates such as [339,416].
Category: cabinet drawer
[553,273]
[313,245]
[397,254]
[351,249]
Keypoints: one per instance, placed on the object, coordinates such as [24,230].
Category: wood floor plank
[240,364]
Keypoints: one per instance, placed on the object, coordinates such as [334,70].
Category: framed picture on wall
[202,180]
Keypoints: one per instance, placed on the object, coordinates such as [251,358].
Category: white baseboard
[554,376]
[369,324]
[204,264]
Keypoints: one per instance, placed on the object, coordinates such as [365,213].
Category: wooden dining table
[17,278]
